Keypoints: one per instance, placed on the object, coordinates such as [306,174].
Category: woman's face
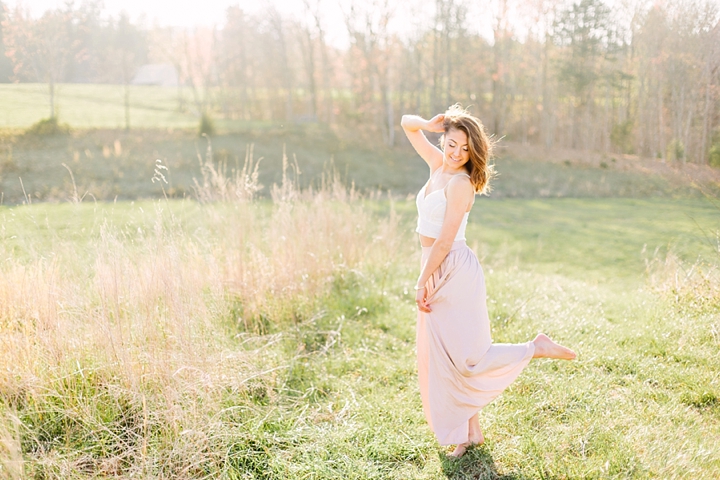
[457,151]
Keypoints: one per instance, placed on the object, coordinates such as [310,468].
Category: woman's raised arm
[413,126]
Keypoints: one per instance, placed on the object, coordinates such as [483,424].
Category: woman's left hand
[421,300]
[435,124]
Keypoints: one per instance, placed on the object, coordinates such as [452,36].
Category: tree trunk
[287,74]
[325,68]
[389,111]
[661,124]
[434,103]
[51,86]
[706,118]
[127,106]
[309,52]
[546,120]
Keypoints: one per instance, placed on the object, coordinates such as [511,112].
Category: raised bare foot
[546,348]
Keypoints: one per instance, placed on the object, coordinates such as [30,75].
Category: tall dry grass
[690,284]
[137,352]
[696,284]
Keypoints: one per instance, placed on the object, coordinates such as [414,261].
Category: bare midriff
[426,241]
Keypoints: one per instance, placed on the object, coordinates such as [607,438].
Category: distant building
[162,74]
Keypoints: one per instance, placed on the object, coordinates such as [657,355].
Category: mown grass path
[339,397]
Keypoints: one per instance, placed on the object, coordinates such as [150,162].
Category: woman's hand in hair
[435,124]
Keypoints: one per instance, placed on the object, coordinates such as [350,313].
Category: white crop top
[431,213]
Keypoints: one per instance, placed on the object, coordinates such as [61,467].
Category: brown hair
[480,147]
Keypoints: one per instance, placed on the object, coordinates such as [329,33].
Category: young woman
[460,370]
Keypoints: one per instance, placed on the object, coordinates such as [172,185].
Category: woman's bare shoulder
[460,181]
[460,187]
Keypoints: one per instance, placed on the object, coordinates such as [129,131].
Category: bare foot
[460,450]
[475,437]
[546,348]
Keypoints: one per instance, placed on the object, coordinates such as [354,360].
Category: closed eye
[452,145]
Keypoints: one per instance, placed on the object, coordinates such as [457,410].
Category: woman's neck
[447,169]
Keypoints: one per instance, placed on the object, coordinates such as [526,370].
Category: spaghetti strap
[456,175]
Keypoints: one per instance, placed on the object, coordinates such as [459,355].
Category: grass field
[94,106]
[181,340]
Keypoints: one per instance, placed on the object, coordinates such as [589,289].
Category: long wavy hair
[480,147]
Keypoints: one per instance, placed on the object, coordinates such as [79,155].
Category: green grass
[94,106]
[340,399]
[608,240]
[110,164]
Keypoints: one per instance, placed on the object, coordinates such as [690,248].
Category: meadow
[173,339]
[216,331]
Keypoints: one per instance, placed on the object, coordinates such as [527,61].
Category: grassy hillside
[275,340]
[108,163]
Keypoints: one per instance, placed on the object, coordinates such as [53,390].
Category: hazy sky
[212,12]
[206,12]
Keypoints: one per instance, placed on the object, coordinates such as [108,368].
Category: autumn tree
[371,58]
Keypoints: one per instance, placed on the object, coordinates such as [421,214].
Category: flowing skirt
[459,369]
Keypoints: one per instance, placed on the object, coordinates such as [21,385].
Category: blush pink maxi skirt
[459,369]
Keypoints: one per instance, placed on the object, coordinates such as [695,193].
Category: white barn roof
[163,74]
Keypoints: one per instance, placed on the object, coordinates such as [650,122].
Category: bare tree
[6,67]
[277,30]
[313,10]
[199,52]
[367,24]
[502,35]
[128,50]
[43,48]
[711,70]
[236,61]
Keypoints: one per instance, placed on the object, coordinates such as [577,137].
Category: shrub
[714,153]
[621,136]
[675,150]
[48,126]
[714,156]
[207,126]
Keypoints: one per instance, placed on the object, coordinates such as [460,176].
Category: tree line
[641,77]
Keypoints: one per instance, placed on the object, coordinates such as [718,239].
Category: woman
[459,369]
